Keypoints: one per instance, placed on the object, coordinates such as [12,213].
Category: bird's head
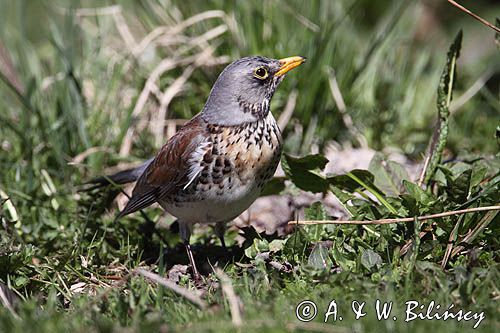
[243,91]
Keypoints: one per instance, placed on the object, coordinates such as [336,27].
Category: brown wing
[170,170]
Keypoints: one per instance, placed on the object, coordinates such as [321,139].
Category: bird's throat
[258,110]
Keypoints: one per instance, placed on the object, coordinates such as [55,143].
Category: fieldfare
[216,165]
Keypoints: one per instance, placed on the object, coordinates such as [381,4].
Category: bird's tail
[122,177]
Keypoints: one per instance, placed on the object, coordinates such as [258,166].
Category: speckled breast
[233,172]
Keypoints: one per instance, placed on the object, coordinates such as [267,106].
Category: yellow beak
[288,64]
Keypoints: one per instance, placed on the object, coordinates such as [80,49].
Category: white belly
[214,207]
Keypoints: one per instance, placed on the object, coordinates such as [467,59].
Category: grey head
[243,91]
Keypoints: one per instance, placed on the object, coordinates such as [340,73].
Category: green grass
[67,104]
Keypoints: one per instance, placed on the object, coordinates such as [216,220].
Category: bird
[217,164]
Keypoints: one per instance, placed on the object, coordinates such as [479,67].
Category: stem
[477,17]
[401,220]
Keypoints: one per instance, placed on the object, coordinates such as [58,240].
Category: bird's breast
[241,159]
[253,150]
[232,173]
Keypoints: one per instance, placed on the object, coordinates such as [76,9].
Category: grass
[71,107]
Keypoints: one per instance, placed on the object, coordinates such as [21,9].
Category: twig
[95,11]
[477,17]
[173,90]
[467,239]
[124,31]
[234,301]
[399,220]
[409,243]
[176,29]
[189,295]
[83,155]
[164,66]
[424,170]
[202,40]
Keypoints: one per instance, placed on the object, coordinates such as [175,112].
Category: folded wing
[174,168]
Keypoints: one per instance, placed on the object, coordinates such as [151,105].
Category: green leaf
[296,244]
[276,245]
[273,187]
[370,258]
[410,203]
[258,246]
[319,258]
[417,226]
[315,212]
[458,168]
[13,259]
[303,172]
[422,197]
[348,182]
[309,162]
[341,259]
[343,198]
[21,281]
[361,179]
[478,175]
[389,175]
[458,188]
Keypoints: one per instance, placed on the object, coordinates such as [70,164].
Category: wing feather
[172,168]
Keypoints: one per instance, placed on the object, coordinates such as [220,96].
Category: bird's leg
[196,274]
[220,229]
[185,231]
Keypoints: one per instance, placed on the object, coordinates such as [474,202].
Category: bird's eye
[261,73]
